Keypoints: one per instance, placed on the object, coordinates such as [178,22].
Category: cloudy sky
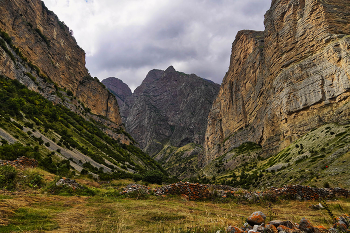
[127,38]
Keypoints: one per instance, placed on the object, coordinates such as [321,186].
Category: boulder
[257,218]
[306,226]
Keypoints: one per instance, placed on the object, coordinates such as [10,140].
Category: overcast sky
[128,38]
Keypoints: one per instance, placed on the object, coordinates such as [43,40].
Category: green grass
[28,219]
[155,214]
[108,211]
[2,196]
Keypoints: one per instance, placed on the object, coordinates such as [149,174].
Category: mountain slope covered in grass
[50,133]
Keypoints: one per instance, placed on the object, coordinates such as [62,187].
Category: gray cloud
[126,39]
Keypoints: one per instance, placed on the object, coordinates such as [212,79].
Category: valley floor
[34,211]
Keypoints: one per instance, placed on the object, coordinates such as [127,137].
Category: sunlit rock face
[48,44]
[284,81]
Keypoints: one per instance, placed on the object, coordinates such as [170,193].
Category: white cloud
[127,38]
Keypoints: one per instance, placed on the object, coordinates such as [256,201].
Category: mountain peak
[170,69]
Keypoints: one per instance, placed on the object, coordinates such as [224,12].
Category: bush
[154,177]
[8,175]
[84,172]
[326,185]
[14,151]
[33,179]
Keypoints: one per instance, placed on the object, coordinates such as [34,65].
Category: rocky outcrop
[169,108]
[256,223]
[285,81]
[197,191]
[48,49]
[119,89]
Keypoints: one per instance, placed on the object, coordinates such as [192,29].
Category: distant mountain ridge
[169,108]
[118,88]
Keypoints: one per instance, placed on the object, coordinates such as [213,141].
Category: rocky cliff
[285,81]
[169,108]
[119,89]
[46,48]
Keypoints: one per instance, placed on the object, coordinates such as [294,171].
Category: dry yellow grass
[154,214]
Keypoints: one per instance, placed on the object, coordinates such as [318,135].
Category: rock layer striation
[285,81]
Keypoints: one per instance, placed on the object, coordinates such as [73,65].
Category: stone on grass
[232,229]
[270,228]
[257,218]
[306,226]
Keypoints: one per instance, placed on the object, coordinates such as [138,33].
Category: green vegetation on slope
[180,162]
[319,158]
[30,118]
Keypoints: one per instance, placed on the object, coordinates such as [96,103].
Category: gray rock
[306,226]
[119,89]
[169,107]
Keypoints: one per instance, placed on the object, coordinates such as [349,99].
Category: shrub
[70,93]
[31,76]
[326,185]
[84,172]
[154,177]
[8,175]
[14,151]
[33,179]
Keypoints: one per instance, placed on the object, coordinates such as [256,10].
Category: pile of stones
[195,191]
[69,183]
[292,192]
[307,193]
[135,187]
[20,163]
[189,190]
[256,223]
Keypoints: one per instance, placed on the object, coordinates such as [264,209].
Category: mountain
[118,88]
[47,112]
[167,112]
[285,81]
[47,45]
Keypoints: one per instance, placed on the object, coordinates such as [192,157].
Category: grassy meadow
[37,210]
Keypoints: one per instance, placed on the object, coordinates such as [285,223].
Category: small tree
[154,177]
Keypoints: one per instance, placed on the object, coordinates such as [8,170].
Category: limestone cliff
[169,108]
[285,81]
[52,52]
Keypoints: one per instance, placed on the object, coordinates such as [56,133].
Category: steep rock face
[169,107]
[285,81]
[48,44]
[119,89]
